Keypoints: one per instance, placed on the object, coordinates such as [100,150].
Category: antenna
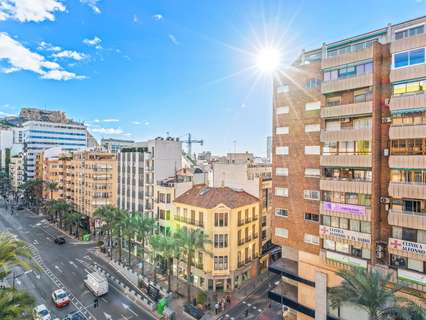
[189,142]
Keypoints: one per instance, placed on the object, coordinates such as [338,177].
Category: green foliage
[15,304]
[12,253]
[201,297]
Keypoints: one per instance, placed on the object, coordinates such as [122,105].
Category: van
[96,283]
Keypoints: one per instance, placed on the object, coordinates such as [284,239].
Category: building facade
[348,166]
[114,145]
[230,219]
[16,171]
[140,166]
[40,135]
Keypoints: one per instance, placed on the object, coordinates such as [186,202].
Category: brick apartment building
[349,166]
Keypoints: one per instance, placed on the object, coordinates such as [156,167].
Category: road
[65,266]
[255,305]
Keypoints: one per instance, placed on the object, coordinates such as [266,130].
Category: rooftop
[206,197]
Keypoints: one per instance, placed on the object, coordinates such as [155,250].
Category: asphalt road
[65,266]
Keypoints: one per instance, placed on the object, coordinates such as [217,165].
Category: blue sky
[140,69]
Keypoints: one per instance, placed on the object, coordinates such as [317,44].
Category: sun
[268,59]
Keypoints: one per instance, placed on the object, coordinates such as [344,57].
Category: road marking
[124,317]
[254,308]
[73,264]
[18,282]
[249,304]
[59,269]
[125,306]
[244,302]
[35,242]
[260,310]
[104,300]
[107,316]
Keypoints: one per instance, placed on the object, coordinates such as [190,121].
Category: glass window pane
[417,56]
[401,60]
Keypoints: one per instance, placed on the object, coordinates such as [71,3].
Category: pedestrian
[246,313]
[228,299]
[216,307]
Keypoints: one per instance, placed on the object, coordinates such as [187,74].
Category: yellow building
[230,219]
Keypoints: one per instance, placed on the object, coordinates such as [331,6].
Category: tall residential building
[114,145]
[16,171]
[50,167]
[349,165]
[41,135]
[230,219]
[140,166]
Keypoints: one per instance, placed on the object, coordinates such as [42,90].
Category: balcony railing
[246,220]
[186,220]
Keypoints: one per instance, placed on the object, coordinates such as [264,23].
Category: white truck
[96,283]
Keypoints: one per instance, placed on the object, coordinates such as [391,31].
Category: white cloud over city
[93,4]
[30,10]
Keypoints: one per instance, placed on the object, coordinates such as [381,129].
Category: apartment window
[408,147]
[333,101]
[313,83]
[348,71]
[283,110]
[411,32]
[311,217]
[309,106]
[281,232]
[408,58]
[282,88]
[409,87]
[315,127]
[220,262]
[282,151]
[221,219]
[311,239]
[330,148]
[312,172]
[282,130]
[363,95]
[220,240]
[283,172]
[409,118]
[312,150]
[332,125]
[281,212]
[311,194]
[281,192]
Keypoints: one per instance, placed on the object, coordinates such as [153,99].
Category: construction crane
[189,142]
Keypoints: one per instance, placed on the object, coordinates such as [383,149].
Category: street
[65,266]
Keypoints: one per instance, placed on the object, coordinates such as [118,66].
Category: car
[76,315]
[60,298]
[41,313]
[60,240]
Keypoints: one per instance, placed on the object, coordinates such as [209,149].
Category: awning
[405,111]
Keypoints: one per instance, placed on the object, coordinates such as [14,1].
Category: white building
[6,143]
[40,135]
[140,166]
[114,145]
[16,171]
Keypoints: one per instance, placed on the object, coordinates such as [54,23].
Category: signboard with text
[344,208]
[407,246]
[348,260]
[343,234]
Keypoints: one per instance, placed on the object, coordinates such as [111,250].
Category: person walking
[216,308]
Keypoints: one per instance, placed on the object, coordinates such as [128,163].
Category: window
[282,88]
[311,239]
[312,150]
[282,130]
[282,151]
[281,232]
[220,240]
[409,58]
[363,95]
[342,247]
[312,172]
[283,110]
[311,194]
[313,105]
[409,87]
[348,71]
[221,219]
[220,262]
[313,83]
[281,212]
[283,172]
[409,32]
[329,244]
[333,101]
[315,127]
[281,192]
[311,217]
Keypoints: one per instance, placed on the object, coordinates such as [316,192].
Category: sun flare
[268,59]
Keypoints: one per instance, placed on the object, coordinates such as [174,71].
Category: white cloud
[95,42]
[70,54]
[157,17]
[30,10]
[20,58]
[146,123]
[93,5]
[136,123]
[108,130]
[135,19]
[48,47]
[174,40]
[110,120]
[6,114]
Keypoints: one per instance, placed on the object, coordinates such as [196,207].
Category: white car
[60,298]
[41,313]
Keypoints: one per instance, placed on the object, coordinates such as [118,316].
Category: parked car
[60,298]
[41,313]
[76,315]
[193,311]
[60,240]
[97,283]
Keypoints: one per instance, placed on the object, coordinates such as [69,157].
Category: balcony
[350,211]
[346,160]
[407,219]
[407,132]
[361,81]
[346,135]
[331,184]
[408,249]
[347,58]
[343,261]
[189,221]
[407,190]
[244,241]
[289,269]
[347,110]
[406,73]
[407,101]
[242,222]
[407,162]
[408,43]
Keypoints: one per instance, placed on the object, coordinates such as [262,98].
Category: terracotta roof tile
[206,197]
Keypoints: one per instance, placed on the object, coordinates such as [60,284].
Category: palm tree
[107,214]
[12,253]
[374,293]
[51,186]
[73,218]
[145,226]
[130,229]
[118,225]
[167,248]
[191,240]
[61,208]
[15,304]
[32,190]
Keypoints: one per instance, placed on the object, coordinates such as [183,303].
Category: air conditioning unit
[386,120]
[386,152]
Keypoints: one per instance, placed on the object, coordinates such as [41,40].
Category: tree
[374,293]
[108,216]
[145,226]
[32,190]
[51,186]
[15,304]
[191,240]
[118,225]
[129,230]
[12,253]
[73,218]
[61,208]
[167,248]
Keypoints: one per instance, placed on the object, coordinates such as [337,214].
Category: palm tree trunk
[130,250]
[188,277]
[169,280]
[143,255]
[119,246]
[154,264]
